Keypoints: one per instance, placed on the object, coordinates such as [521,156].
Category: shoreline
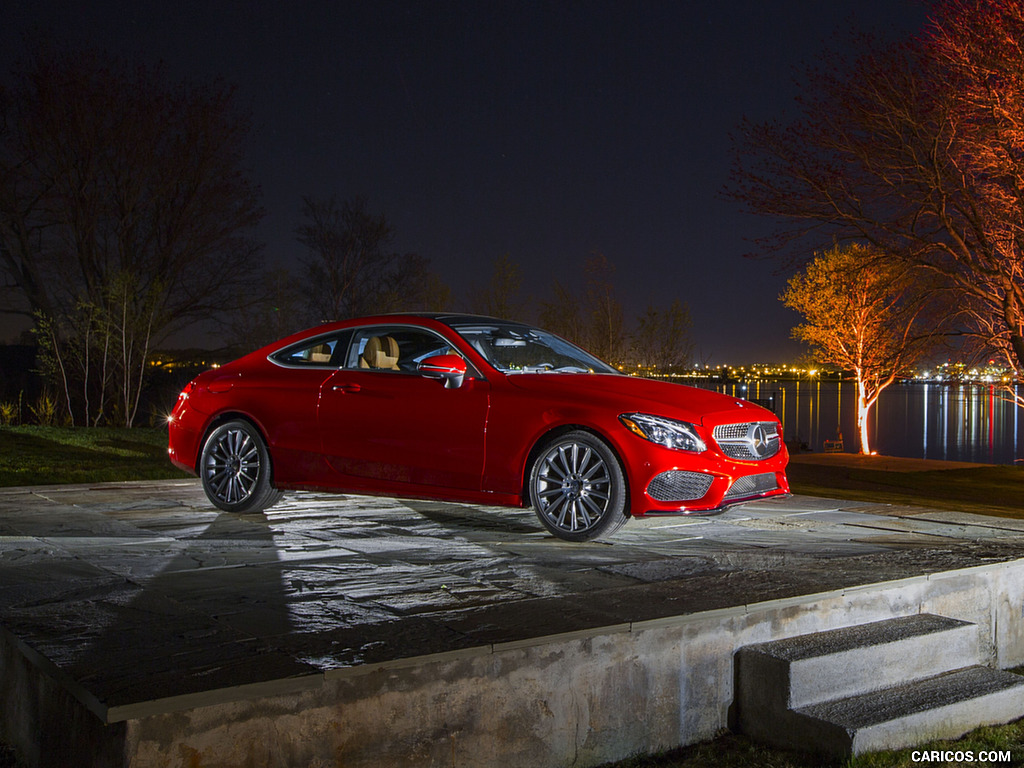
[883,463]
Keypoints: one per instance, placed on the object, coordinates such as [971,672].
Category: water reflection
[955,422]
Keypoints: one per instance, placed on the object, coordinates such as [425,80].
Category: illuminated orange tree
[863,314]
[917,150]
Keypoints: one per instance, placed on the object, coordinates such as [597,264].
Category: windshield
[513,348]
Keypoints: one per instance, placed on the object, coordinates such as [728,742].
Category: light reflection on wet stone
[143,591]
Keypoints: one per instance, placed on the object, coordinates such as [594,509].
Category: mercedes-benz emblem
[758,440]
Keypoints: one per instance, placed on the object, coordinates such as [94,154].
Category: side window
[321,352]
[394,348]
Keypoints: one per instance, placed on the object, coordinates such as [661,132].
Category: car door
[287,396]
[382,420]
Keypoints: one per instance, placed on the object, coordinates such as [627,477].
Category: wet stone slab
[140,591]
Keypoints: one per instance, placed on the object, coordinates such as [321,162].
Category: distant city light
[947,372]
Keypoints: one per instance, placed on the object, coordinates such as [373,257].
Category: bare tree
[592,320]
[414,286]
[277,308]
[606,329]
[662,339]
[122,192]
[864,316]
[561,314]
[917,150]
[348,262]
[351,269]
[501,296]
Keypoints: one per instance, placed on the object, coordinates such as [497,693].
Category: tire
[235,469]
[577,488]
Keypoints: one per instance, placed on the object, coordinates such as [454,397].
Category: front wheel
[577,488]
[235,469]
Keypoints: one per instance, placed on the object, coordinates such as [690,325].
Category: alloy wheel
[232,466]
[572,487]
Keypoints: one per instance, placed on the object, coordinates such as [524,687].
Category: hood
[629,393]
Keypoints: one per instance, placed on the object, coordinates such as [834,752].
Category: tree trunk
[863,410]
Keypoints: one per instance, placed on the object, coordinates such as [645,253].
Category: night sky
[545,130]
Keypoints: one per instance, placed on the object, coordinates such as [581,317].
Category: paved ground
[140,591]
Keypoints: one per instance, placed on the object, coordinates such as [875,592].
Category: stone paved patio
[142,591]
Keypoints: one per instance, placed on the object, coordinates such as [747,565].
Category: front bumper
[666,482]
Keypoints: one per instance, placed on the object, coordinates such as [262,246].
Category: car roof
[458,318]
[445,318]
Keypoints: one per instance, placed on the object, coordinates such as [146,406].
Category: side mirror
[450,368]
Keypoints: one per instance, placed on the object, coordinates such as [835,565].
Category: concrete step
[943,707]
[883,685]
[822,666]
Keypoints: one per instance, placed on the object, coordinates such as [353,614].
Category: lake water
[959,422]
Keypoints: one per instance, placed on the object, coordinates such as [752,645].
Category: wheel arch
[224,418]
[553,434]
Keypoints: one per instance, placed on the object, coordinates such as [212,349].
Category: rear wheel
[577,488]
[235,469]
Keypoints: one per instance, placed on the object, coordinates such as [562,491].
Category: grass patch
[986,490]
[52,455]
[734,751]
[729,750]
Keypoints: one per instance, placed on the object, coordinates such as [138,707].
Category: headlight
[667,432]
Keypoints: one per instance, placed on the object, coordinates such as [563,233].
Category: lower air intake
[752,485]
[677,485]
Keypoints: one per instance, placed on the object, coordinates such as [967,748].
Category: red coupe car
[469,409]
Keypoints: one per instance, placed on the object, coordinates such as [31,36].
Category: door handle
[346,387]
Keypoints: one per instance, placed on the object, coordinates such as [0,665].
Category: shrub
[44,411]
[8,413]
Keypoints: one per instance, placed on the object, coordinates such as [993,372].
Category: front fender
[516,433]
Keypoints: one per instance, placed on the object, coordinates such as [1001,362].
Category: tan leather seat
[320,354]
[380,353]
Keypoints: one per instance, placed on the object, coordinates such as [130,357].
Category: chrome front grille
[676,485]
[751,485]
[731,431]
[750,441]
